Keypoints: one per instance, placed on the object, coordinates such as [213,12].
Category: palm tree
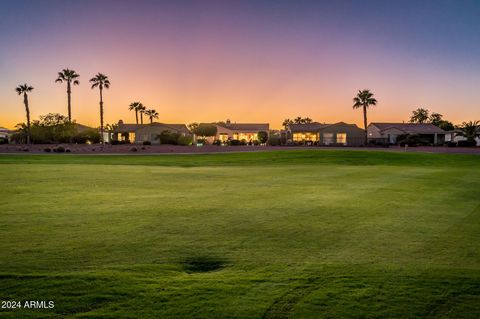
[24,89]
[152,114]
[101,81]
[135,106]
[470,130]
[141,110]
[363,100]
[69,76]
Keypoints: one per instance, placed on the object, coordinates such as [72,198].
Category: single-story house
[387,133]
[326,134]
[4,134]
[139,133]
[239,131]
[455,136]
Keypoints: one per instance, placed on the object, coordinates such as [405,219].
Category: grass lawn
[302,234]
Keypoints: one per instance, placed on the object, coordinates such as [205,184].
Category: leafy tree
[470,130]
[446,125]
[205,130]
[192,126]
[101,81]
[363,100]
[135,106]
[152,114]
[422,115]
[262,137]
[25,89]
[69,76]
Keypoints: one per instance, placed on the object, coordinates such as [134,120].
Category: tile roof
[245,127]
[411,128]
[315,126]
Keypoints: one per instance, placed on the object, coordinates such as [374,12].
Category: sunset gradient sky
[249,61]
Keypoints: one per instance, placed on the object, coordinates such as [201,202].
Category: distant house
[389,132]
[326,134]
[4,134]
[240,131]
[139,133]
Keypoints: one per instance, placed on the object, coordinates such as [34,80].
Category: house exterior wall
[150,133]
[342,134]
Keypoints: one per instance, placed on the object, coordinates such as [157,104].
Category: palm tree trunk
[27,110]
[141,117]
[365,123]
[151,119]
[136,116]
[101,117]
[69,91]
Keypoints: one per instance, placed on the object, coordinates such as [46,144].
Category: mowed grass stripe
[310,235]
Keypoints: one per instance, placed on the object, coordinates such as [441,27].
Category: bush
[234,143]
[451,144]
[262,137]
[59,149]
[167,137]
[185,140]
[217,142]
[3,140]
[413,140]
[255,142]
[466,143]
[133,149]
[67,150]
[147,143]
[274,140]
[48,150]
[243,142]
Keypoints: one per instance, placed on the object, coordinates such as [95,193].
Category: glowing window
[342,138]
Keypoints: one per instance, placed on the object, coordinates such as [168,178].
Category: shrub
[147,143]
[67,150]
[274,140]
[48,150]
[185,140]
[255,142]
[413,140]
[59,149]
[262,137]
[3,140]
[234,142]
[217,142]
[167,137]
[117,142]
[451,144]
[133,149]
[466,143]
[243,142]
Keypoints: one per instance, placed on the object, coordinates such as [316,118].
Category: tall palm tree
[135,106]
[101,81]
[141,110]
[363,100]
[24,89]
[69,76]
[152,114]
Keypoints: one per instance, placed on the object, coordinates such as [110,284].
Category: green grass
[291,234]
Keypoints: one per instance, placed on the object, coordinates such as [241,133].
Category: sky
[247,61]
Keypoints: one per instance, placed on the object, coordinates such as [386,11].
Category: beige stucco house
[388,133]
[326,134]
[239,131]
[139,133]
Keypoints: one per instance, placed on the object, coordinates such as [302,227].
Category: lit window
[342,138]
